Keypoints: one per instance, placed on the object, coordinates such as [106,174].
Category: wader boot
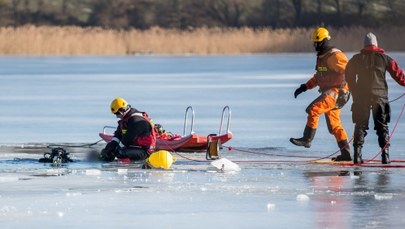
[306,140]
[357,157]
[344,152]
[385,157]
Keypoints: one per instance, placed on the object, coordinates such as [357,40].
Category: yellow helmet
[320,34]
[118,103]
[161,159]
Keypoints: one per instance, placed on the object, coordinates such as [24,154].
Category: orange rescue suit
[329,76]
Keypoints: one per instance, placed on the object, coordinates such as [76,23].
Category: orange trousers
[325,104]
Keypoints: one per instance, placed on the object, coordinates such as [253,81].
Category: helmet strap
[125,111]
[122,112]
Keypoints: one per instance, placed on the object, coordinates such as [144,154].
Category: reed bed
[70,40]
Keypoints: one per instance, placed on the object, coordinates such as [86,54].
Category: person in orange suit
[329,77]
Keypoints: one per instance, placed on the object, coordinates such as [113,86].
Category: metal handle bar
[226,108]
[186,119]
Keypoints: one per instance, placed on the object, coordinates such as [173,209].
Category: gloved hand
[111,146]
[302,88]
[108,153]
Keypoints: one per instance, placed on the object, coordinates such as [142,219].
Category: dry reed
[46,40]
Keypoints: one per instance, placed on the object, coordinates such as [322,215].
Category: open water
[65,100]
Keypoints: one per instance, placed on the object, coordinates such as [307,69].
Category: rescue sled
[188,142]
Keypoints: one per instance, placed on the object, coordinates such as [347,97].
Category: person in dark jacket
[135,136]
[365,75]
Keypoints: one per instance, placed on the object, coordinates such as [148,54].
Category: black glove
[111,146]
[106,156]
[343,98]
[302,88]
[108,153]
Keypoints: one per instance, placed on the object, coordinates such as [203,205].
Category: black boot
[385,156]
[306,140]
[344,152]
[357,157]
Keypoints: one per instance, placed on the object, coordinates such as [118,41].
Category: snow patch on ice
[8,179]
[122,171]
[270,207]
[7,209]
[302,198]
[71,194]
[383,196]
[226,165]
[93,172]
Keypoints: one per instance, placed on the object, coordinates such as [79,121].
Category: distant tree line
[185,14]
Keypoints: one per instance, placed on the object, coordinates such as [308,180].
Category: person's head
[320,38]
[119,107]
[370,39]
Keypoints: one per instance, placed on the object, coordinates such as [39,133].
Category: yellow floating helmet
[161,159]
[320,34]
[117,104]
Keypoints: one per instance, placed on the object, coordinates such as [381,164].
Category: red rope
[367,163]
[184,157]
[283,155]
[390,136]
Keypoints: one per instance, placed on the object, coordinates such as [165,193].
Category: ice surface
[64,100]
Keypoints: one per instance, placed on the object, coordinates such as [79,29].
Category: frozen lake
[65,100]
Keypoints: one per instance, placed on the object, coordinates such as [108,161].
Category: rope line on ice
[74,146]
[182,156]
[389,138]
[392,132]
[397,98]
[365,164]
